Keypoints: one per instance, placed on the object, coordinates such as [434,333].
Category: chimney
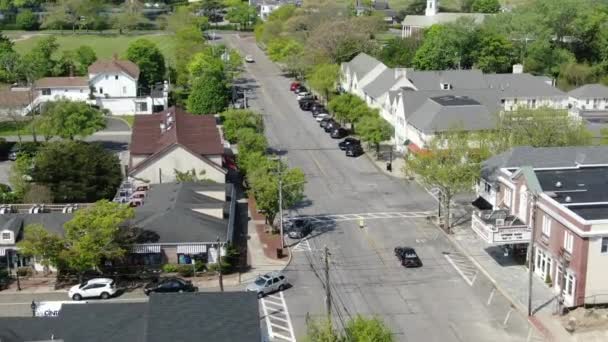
[400,72]
[518,69]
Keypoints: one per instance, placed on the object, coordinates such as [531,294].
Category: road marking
[302,246]
[491,296]
[467,271]
[277,318]
[507,317]
[136,299]
[318,164]
[365,216]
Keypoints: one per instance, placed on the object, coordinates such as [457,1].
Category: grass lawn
[105,46]
[129,119]
[10,128]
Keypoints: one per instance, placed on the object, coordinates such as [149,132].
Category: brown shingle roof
[62,82]
[198,133]
[14,99]
[115,65]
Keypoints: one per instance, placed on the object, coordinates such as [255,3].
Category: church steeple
[431,7]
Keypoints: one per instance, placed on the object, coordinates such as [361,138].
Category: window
[141,107]
[487,187]
[568,241]
[605,245]
[100,90]
[6,235]
[546,225]
[507,197]
[46,91]
[116,77]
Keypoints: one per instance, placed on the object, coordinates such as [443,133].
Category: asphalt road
[445,300]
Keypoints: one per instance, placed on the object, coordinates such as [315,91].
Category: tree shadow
[498,254]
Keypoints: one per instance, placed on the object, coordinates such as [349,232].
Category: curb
[390,174]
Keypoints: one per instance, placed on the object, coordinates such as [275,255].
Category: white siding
[72,94]
[124,86]
[589,104]
[181,160]
[597,277]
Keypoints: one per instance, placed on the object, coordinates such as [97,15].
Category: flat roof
[591,212]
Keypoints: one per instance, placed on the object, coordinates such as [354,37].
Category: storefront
[188,252]
[145,255]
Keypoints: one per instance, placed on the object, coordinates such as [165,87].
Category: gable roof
[151,159]
[198,133]
[62,82]
[381,84]
[362,64]
[440,18]
[115,65]
[15,98]
[512,85]
[590,90]
[459,79]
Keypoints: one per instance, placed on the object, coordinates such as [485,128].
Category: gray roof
[543,157]
[459,79]
[52,222]
[521,85]
[362,64]
[381,84]
[19,329]
[440,18]
[590,91]
[219,317]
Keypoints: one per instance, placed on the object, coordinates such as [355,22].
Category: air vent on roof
[558,184]
[551,194]
[581,184]
[568,199]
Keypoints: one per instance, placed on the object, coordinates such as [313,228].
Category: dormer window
[6,236]
[116,77]
[446,86]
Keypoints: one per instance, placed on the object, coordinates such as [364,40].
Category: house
[178,222]
[175,141]
[562,201]
[265,7]
[414,24]
[110,84]
[13,101]
[589,101]
[166,316]
[377,6]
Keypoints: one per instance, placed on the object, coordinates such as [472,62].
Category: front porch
[498,227]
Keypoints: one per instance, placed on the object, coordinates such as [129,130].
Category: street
[445,300]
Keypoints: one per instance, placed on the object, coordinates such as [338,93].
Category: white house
[413,24]
[110,84]
[589,100]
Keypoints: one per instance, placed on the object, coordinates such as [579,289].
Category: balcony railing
[499,228]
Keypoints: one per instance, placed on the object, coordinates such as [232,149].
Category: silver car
[268,283]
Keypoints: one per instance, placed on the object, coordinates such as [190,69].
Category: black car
[299,228]
[325,122]
[317,108]
[354,150]
[331,126]
[170,285]
[339,133]
[408,257]
[300,89]
[344,144]
[305,104]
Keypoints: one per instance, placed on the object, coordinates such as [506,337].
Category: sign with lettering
[51,309]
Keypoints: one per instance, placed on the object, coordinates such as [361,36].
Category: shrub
[170,268]
[27,20]
[3,274]
[24,271]
[185,270]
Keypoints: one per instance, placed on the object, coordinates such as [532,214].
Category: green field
[104,45]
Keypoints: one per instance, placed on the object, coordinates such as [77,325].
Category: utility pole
[219,264]
[531,254]
[281,201]
[327,286]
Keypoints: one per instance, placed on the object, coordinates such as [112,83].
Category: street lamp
[33,307]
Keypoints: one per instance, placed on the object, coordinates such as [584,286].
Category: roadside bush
[170,268]
[3,274]
[24,271]
[27,20]
[185,270]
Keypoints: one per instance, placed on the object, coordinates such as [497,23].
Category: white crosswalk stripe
[463,266]
[302,246]
[277,318]
[366,216]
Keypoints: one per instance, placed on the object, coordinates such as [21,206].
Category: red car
[294,86]
[229,163]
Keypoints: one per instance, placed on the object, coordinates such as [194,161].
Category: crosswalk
[302,246]
[276,316]
[463,266]
[366,216]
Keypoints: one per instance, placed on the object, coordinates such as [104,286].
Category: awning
[191,249]
[143,249]
[482,204]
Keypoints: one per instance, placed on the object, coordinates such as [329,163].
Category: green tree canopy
[251,141]
[85,56]
[374,130]
[495,54]
[361,329]
[76,171]
[130,17]
[150,60]
[350,108]
[486,6]
[45,246]
[209,94]
[38,62]
[324,78]
[235,119]
[280,49]
[27,20]
[399,52]
[242,13]
[68,119]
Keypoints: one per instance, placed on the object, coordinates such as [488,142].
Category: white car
[267,283]
[103,288]
[303,95]
[249,59]
[322,116]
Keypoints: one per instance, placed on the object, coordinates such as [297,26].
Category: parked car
[305,104]
[268,283]
[325,121]
[408,257]
[338,133]
[103,288]
[344,144]
[354,150]
[300,88]
[298,228]
[331,126]
[14,151]
[322,116]
[318,108]
[170,285]
[249,59]
[303,95]
[294,85]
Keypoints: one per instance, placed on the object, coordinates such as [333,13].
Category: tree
[399,52]
[448,46]
[150,60]
[27,20]
[340,40]
[349,108]
[66,64]
[574,75]
[209,94]
[416,7]
[235,119]
[280,49]
[544,58]
[38,62]
[76,171]
[211,9]
[374,130]
[495,54]
[130,17]
[242,13]
[41,244]
[323,78]
[91,235]
[251,141]
[37,193]
[449,164]
[68,119]
[320,330]
[486,6]
[361,329]
[205,61]
[85,56]
[19,175]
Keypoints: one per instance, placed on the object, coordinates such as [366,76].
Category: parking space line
[466,279]
[277,317]
[508,316]
[491,296]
